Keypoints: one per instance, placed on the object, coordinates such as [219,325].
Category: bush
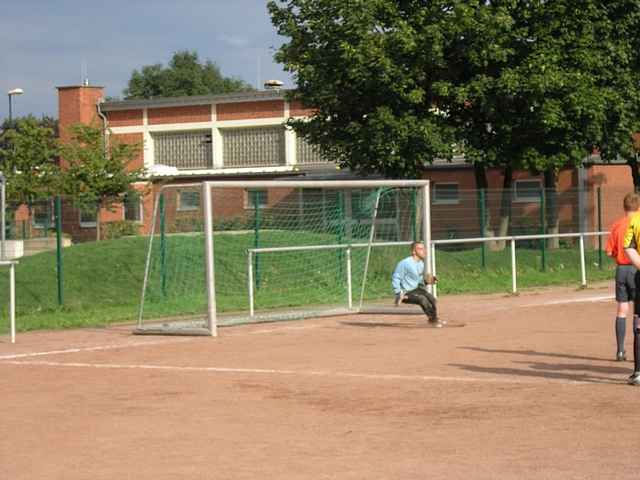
[120,228]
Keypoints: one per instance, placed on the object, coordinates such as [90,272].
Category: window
[133,207]
[527,190]
[184,150]
[307,153]
[253,147]
[446,193]
[88,218]
[188,200]
[363,205]
[255,197]
[43,215]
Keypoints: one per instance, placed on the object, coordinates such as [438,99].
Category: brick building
[241,136]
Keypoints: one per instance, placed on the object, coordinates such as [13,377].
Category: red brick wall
[124,118]
[133,139]
[250,110]
[614,181]
[196,113]
[77,105]
[296,109]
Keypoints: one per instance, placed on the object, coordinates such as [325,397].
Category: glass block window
[307,153]
[188,200]
[253,147]
[184,150]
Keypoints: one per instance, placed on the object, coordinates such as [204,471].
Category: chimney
[273,85]
[77,104]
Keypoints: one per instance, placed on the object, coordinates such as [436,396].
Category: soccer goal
[228,252]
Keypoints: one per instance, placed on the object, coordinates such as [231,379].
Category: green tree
[185,75]
[514,84]
[28,159]
[97,173]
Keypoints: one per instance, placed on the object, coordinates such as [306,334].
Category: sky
[50,43]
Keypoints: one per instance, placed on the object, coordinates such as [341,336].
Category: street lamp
[15,91]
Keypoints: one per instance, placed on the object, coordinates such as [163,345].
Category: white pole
[349,292]
[582,263]
[372,234]
[426,227]
[12,301]
[433,268]
[210,274]
[250,278]
[514,286]
[3,207]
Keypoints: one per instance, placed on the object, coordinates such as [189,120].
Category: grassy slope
[103,280]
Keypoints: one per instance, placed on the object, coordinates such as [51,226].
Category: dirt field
[527,389]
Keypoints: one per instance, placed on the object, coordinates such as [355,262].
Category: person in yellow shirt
[632,249]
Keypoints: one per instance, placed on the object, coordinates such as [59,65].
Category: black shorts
[625,283]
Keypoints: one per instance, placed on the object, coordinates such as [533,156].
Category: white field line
[571,300]
[92,349]
[279,329]
[314,373]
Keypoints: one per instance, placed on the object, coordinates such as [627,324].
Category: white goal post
[364,243]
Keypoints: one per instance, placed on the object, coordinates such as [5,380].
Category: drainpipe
[104,124]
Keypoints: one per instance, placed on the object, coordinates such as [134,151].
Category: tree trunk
[98,223]
[482,184]
[635,172]
[551,214]
[505,205]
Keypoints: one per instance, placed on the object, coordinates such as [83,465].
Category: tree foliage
[525,84]
[97,175]
[28,159]
[184,75]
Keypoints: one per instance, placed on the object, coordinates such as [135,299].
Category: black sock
[636,345]
[621,325]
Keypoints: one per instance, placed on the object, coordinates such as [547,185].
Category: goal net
[230,252]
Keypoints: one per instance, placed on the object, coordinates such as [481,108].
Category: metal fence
[548,232]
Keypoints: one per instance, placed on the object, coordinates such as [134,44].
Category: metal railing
[512,239]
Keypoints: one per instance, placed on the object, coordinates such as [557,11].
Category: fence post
[250,283]
[543,229]
[582,262]
[256,236]
[163,248]
[58,214]
[514,284]
[599,228]
[483,213]
[349,288]
[434,287]
[340,233]
[414,209]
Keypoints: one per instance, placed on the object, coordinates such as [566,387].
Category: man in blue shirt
[408,282]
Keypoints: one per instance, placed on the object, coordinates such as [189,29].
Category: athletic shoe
[435,323]
[634,378]
[621,356]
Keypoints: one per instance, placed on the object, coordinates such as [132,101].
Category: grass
[103,281]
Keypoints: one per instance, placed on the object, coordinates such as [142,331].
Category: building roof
[254,95]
